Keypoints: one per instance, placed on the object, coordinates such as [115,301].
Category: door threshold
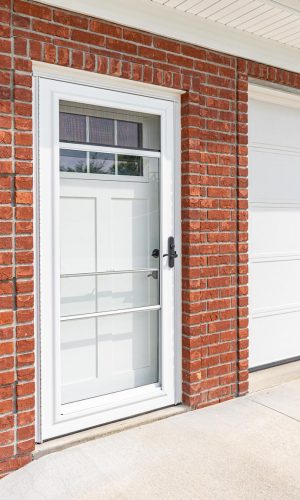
[63,442]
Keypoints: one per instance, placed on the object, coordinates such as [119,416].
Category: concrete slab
[64,442]
[284,398]
[240,449]
[277,375]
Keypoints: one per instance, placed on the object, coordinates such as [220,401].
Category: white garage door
[274,226]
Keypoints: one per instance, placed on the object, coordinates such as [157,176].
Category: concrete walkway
[248,448]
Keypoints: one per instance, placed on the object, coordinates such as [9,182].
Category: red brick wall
[214,197]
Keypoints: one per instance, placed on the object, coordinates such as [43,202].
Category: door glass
[109,250]
[83,123]
[72,161]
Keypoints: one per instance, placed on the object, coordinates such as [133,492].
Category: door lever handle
[172,254]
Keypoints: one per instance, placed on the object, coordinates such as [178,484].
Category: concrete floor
[247,449]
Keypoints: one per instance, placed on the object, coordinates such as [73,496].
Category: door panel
[78,237]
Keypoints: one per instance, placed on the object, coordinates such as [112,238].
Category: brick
[166,44]
[32,9]
[22,64]
[7,377]
[26,418]
[26,446]
[137,37]
[49,53]
[5,62]
[121,46]
[87,37]
[51,29]
[14,463]
[25,432]
[23,139]
[150,53]
[24,198]
[21,21]
[104,28]
[63,56]
[35,49]
[68,19]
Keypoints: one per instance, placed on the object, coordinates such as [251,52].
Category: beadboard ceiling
[277,20]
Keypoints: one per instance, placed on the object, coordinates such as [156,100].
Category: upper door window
[99,140]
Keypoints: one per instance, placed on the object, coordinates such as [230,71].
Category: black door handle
[155,253]
[172,254]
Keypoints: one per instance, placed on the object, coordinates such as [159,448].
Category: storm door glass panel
[110,255]
[129,134]
[72,161]
[102,163]
[98,125]
[101,131]
[72,127]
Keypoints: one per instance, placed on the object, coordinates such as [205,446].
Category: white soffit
[277,20]
[155,16]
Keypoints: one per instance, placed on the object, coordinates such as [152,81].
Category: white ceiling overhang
[267,31]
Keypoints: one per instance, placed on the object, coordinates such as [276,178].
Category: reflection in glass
[106,292]
[72,128]
[130,165]
[102,163]
[101,131]
[108,354]
[72,161]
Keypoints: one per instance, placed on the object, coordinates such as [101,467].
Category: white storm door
[274,239]
[106,173]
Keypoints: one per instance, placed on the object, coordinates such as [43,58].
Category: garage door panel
[273,229]
[273,123]
[274,222]
[273,334]
[274,284]
[266,179]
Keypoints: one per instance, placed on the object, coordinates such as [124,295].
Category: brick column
[210,241]
[16,254]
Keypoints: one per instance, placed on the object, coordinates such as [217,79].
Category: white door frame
[52,421]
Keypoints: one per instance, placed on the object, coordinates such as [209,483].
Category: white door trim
[149,397]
